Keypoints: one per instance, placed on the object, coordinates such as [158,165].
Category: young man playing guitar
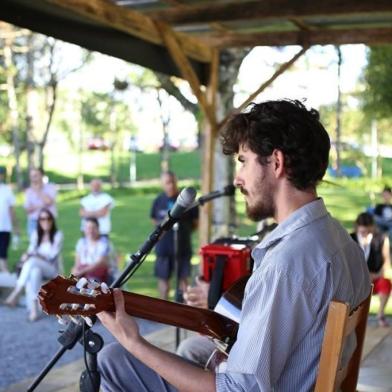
[306,262]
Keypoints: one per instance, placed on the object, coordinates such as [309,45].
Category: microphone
[182,204]
[184,200]
[228,190]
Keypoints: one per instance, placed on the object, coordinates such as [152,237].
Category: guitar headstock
[64,296]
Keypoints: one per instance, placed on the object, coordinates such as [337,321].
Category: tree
[106,117]
[377,101]
[9,115]
[34,66]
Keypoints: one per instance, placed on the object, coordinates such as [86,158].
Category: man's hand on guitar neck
[122,326]
[178,372]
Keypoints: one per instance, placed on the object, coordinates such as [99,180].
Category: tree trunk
[50,107]
[13,108]
[113,142]
[30,103]
[224,212]
[165,152]
[338,116]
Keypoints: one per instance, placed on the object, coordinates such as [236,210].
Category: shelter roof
[132,29]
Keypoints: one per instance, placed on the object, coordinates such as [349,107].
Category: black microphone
[182,204]
[228,190]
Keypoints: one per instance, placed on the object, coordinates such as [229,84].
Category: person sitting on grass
[92,253]
[375,245]
[40,262]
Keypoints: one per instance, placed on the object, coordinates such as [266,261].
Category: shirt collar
[299,218]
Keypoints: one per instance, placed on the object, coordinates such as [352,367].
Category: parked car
[97,143]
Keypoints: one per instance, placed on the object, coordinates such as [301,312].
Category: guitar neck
[194,319]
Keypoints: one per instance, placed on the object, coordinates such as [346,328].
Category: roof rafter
[185,67]
[311,37]
[132,22]
[269,9]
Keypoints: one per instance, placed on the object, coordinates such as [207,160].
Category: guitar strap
[215,291]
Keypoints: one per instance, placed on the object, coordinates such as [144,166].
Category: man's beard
[264,206]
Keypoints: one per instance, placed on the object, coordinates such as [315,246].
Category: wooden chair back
[340,324]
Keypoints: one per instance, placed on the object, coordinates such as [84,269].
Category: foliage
[97,111]
[377,101]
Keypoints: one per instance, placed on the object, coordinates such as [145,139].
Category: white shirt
[90,252]
[49,250]
[364,243]
[94,202]
[7,200]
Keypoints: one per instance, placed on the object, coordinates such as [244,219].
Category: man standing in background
[165,249]
[39,195]
[98,205]
[7,219]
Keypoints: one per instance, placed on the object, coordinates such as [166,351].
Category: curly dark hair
[287,126]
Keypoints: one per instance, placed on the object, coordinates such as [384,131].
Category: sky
[313,78]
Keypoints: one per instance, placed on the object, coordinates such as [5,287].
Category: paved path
[25,347]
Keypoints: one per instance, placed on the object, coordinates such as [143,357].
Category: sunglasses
[45,218]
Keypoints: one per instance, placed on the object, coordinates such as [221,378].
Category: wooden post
[208,146]
[206,100]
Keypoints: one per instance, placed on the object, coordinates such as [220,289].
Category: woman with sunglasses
[40,262]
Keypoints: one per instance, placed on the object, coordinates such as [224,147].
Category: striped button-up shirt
[306,262]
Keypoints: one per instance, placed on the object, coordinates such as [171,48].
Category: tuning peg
[93,284]
[81,283]
[89,292]
[104,288]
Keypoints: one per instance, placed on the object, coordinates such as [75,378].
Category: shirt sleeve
[51,191]
[103,249]
[79,246]
[378,210]
[11,198]
[277,312]
[110,202]
[27,201]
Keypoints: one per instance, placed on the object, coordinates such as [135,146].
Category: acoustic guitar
[61,296]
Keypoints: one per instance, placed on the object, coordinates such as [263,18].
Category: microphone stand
[75,333]
[178,293]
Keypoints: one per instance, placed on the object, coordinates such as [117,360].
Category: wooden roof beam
[179,4]
[368,36]
[134,23]
[270,9]
[185,67]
